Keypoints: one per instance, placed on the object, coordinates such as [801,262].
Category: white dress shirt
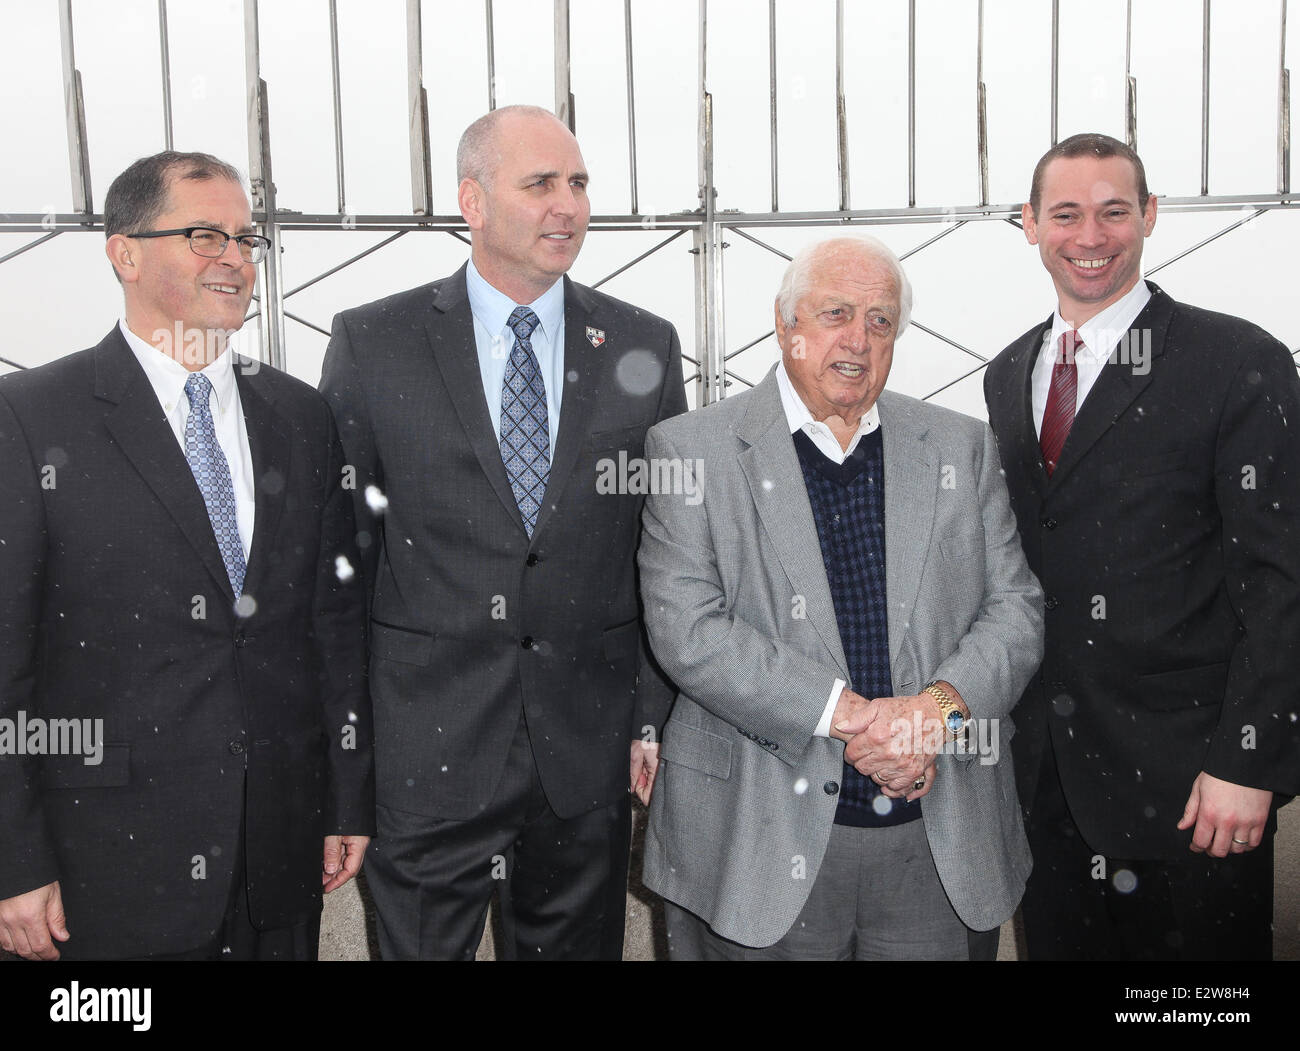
[1100,337]
[167,377]
[800,419]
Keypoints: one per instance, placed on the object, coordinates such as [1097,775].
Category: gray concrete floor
[347,930]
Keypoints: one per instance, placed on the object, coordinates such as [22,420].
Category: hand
[1228,818]
[894,741]
[645,764]
[343,857]
[27,922]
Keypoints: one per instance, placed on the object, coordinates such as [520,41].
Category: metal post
[165,55]
[338,105]
[418,107]
[563,94]
[708,264]
[269,283]
[1130,82]
[1205,100]
[75,115]
[771,82]
[631,103]
[1283,113]
[1056,60]
[841,116]
[492,59]
[911,103]
[981,110]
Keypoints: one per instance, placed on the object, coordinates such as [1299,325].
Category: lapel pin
[595,336]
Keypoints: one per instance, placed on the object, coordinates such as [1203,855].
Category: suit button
[526,642]
[1049,522]
[1050,602]
[830,788]
[531,560]
[236,747]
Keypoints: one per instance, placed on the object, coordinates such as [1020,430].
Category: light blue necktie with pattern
[212,472]
[525,431]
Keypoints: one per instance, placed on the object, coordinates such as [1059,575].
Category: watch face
[954,721]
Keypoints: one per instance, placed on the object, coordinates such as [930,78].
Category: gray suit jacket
[743,806]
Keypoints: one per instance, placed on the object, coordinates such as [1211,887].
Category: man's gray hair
[478,154]
[795,283]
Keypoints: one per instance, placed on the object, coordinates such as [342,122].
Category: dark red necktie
[1058,417]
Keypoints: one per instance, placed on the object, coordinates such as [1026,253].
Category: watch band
[953,719]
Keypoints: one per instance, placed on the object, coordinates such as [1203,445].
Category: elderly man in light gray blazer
[838,591]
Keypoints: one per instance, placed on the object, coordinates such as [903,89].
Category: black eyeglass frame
[252,241]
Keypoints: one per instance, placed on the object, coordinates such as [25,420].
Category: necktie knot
[197,389]
[1069,346]
[523,322]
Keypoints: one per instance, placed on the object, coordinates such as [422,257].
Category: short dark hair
[1088,144]
[139,195]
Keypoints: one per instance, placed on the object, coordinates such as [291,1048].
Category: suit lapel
[1028,452]
[1116,388]
[771,468]
[911,488]
[583,379]
[450,330]
[146,440]
[268,446]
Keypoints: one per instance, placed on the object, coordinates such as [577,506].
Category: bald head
[482,146]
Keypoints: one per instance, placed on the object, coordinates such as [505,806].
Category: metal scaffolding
[709,227]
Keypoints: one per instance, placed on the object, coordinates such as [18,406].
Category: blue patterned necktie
[525,431]
[211,471]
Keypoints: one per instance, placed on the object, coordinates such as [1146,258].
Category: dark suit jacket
[469,618]
[1168,545]
[116,605]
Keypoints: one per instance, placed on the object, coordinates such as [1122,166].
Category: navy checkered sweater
[848,505]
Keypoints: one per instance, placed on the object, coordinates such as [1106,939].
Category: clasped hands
[882,740]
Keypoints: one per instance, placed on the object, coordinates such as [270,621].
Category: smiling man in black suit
[177,554]
[1152,452]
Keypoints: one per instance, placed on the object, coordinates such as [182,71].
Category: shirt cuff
[824,727]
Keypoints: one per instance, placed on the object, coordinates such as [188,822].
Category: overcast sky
[982,286]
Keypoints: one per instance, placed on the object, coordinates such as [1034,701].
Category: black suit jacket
[116,606]
[1168,545]
[469,618]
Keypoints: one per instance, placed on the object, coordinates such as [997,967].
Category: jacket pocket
[690,746]
[72,771]
[1184,688]
[620,642]
[400,644]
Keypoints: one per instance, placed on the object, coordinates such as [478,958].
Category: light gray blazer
[739,615]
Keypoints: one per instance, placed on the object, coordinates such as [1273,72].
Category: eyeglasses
[211,243]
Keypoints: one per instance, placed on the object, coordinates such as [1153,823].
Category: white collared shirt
[494,339]
[1100,337]
[799,418]
[167,377]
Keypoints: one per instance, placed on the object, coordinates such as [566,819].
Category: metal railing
[707,224]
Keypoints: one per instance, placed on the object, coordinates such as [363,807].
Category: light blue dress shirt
[494,340]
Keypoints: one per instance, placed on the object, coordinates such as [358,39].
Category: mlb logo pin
[595,336]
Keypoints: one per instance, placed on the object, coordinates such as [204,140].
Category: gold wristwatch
[953,720]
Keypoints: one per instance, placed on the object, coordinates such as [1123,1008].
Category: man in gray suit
[842,601]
